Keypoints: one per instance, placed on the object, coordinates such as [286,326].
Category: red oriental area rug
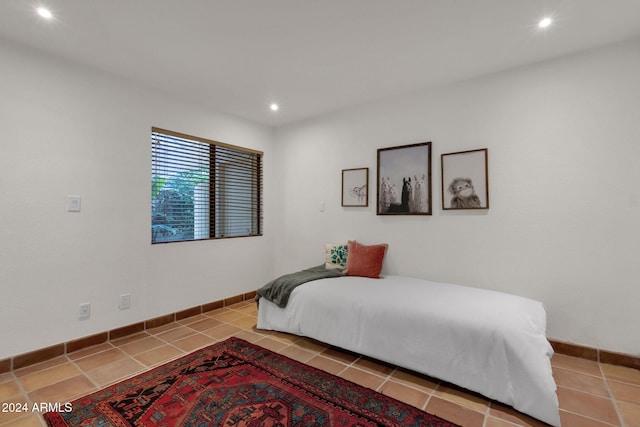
[238,384]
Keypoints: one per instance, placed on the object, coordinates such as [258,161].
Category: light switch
[73,203]
[321,206]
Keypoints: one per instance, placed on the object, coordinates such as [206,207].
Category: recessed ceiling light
[44,12]
[274,107]
[545,22]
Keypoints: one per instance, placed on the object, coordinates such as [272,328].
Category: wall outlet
[125,302]
[85,311]
[74,203]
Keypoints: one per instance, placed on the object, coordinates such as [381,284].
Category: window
[203,189]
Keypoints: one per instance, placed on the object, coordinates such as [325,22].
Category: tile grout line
[591,418]
[606,384]
[612,397]
[23,393]
[127,357]
[388,379]
[85,374]
[424,407]
[577,371]
[486,414]
[26,395]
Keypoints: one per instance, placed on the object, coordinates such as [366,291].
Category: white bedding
[488,342]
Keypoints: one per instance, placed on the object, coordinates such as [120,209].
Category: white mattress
[488,342]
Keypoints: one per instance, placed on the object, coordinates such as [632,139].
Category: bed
[489,342]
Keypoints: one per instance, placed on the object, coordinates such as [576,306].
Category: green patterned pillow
[336,255]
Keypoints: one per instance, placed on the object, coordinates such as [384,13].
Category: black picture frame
[355,187]
[404,180]
[465,180]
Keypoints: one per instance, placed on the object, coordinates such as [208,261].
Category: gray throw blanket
[278,290]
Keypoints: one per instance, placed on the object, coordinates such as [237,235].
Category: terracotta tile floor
[590,394]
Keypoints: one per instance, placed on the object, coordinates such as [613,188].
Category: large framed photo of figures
[404,180]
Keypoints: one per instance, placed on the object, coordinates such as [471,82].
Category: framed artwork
[404,180]
[355,187]
[465,180]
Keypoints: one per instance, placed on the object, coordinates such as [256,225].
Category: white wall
[563,225]
[564,222]
[70,130]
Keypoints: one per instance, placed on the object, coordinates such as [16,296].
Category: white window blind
[202,189]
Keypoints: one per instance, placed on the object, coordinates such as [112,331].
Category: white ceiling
[311,56]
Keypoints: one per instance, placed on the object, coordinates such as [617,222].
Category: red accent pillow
[365,261]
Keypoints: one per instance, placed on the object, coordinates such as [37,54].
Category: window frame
[214,176]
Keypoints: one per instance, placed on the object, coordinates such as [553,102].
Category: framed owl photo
[465,180]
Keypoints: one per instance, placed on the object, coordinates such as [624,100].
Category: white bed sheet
[489,342]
